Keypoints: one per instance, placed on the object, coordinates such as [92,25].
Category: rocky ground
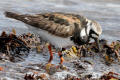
[25,57]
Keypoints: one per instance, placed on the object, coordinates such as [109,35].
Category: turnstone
[61,29]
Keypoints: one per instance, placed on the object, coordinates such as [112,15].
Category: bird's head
[80,36]
[95,30]
[89,29]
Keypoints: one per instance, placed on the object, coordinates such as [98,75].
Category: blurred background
[106,12]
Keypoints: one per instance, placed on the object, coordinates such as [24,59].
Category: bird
[61,29]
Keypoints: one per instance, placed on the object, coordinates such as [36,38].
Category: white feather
[88,27]
[83,33]
[57,41]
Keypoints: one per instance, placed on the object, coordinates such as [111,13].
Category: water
[106,12]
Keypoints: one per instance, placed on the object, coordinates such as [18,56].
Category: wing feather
[59,28]
[59,24]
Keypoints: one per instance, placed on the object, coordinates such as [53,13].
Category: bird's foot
[61,57]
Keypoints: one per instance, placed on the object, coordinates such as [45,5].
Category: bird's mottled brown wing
[59,24]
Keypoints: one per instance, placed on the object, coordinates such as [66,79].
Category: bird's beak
[97,43]
[96,38]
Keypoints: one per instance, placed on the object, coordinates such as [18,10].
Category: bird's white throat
[85,31]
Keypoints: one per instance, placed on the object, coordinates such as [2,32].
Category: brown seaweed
[110,76]
[11,45]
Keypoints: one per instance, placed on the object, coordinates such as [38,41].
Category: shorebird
[61,29]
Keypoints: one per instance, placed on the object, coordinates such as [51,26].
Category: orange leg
[51,53]
[61,57]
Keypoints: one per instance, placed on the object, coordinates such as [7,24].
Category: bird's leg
[51,53]
[61,57]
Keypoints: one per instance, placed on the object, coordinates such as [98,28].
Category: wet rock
[52,69]
[62,75]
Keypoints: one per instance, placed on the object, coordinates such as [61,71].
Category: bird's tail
[14,16]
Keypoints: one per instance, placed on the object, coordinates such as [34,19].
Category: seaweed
[11,45]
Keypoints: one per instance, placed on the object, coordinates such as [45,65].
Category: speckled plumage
[61,25]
